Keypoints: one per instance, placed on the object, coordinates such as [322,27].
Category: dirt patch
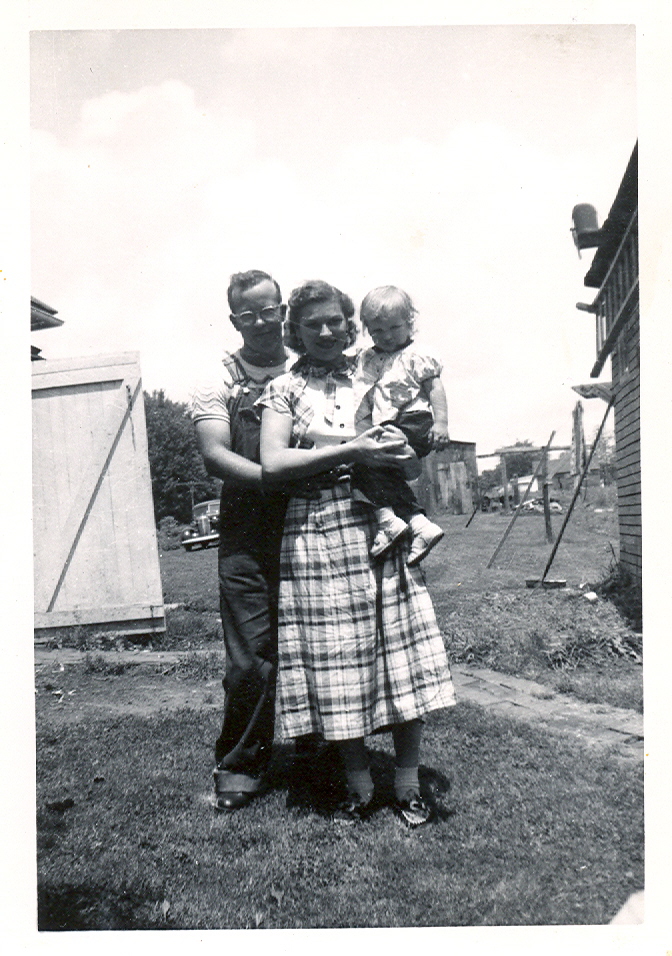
[68,692]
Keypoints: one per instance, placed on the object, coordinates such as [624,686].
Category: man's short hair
[242,281]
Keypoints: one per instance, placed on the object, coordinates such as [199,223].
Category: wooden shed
[96,561]
[614,272]
[449,480]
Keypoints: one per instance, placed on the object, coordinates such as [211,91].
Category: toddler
[398,386]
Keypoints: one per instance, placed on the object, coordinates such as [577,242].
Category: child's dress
[393,387]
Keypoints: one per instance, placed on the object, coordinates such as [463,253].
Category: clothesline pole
[576,494]
[523,500]
[473,514]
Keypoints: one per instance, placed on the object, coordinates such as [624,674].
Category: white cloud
[142,216]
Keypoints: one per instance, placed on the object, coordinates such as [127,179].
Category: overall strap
[235,369]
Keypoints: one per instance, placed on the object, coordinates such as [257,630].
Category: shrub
[169,532]
[99,664]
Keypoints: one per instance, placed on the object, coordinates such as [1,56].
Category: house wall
[625,372]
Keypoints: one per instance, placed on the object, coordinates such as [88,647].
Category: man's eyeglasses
[271,313]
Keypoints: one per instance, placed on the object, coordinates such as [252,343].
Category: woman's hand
[382,446]
[409,463]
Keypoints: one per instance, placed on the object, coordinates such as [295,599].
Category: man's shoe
[234,800]
[234,790]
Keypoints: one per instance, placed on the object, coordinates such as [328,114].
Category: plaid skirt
[358,644]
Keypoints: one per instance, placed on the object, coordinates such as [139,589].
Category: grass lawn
[530,829]
[488,616]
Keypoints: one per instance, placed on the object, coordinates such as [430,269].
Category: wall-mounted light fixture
[585,231]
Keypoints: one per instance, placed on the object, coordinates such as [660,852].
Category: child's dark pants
[387,487]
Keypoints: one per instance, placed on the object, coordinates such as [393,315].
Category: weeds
[187,624]
[169,534]
[544,635]
[201,665]
[99,664]
[619,587]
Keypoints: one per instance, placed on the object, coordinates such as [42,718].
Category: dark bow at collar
[342,369]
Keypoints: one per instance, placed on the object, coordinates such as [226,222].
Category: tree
[605,457]
[175,464]
[522,462]
[517,464]
[489,478]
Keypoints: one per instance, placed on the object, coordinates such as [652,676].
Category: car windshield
[206,508]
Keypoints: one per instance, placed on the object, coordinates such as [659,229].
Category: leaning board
[96,561]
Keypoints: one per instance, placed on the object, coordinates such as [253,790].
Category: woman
[358,645]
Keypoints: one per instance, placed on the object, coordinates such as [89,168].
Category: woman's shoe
[351,810]
[413,809]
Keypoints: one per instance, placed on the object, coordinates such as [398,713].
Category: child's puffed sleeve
[426,366]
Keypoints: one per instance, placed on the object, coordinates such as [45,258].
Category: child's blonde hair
[385,298]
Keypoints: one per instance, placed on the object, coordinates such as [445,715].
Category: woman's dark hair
[315,290]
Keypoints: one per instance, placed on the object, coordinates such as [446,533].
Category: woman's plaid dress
[358,644]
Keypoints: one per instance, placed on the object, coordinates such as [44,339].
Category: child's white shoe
[387,534]
[425,535]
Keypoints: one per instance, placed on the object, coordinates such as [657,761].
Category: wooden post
[519,508]
[505,482]
[576,492]
[578,455]
[545,496]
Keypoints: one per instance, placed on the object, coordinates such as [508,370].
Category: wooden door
[96,561]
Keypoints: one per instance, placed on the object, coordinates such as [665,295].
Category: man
[227,430]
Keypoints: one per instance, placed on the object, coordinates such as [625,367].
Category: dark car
[204,530]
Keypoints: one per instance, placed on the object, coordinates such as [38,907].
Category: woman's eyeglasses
[271,313]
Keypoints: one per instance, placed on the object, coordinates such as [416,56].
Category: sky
[442,159]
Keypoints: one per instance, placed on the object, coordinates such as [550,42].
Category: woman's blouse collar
[310,369]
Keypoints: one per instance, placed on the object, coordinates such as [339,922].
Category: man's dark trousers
[249,553]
